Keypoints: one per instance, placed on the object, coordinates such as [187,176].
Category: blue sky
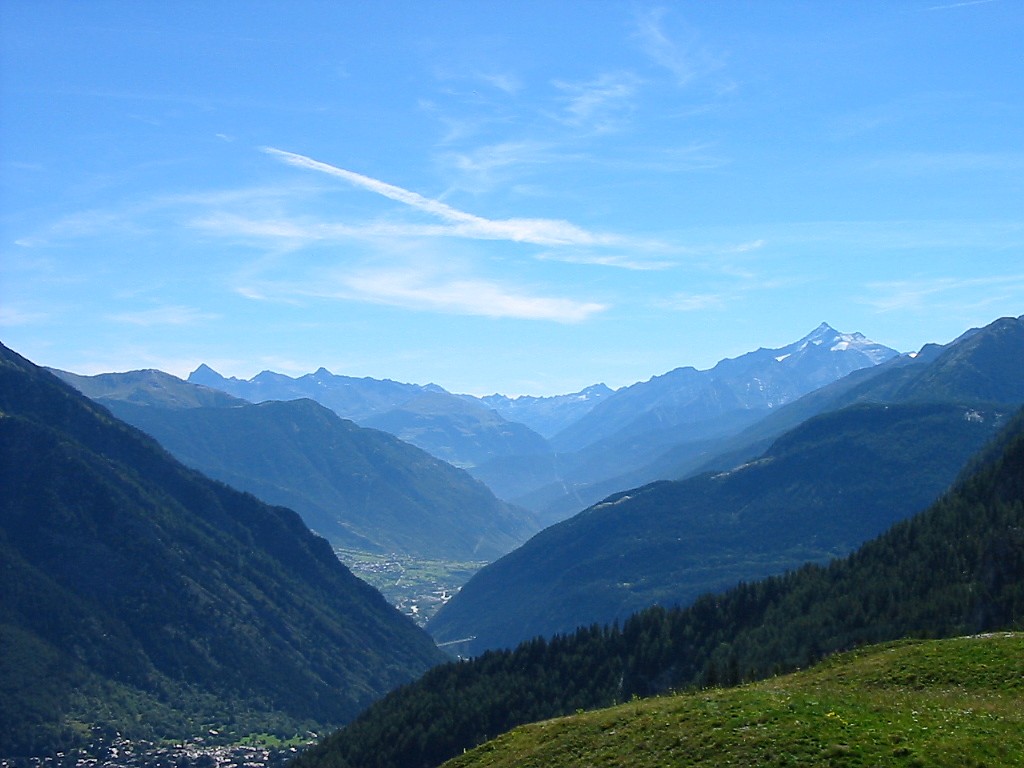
[521,197]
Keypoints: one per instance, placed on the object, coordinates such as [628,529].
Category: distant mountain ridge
[896,441]
[457,430]
[628,432]
[460,430]
[349,397]
[759,380]
[981,365]
[140,597]
[359,488]
[148,387]
[545,453]
[548,415]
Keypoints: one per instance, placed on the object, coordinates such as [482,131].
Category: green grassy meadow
[957,702]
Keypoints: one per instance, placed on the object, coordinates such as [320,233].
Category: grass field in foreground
[957,702]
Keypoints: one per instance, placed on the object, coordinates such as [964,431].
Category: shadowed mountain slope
[359,488]
[140,597]
[454,428]
[956,569]
[819,492]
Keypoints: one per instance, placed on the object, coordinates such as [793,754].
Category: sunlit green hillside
[953,702]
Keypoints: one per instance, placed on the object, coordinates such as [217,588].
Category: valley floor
[418,587]
[127,754]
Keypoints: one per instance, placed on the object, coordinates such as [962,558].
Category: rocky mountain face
[690,400]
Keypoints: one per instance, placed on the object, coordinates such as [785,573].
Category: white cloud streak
[945,293]
[548,232]
[698,302]
[948,6]
[168,315]
[12,316]
[620,260]
[599,105]
[685,61]
[663,50]
[419,289]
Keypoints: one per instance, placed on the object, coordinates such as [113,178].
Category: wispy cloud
[508,83]
[964,4]
[167,315]
[12,316]
[685,58]
[635,262]
[698,302]
[298,231]
[482,167]
[744,285]
[600,105]
[945,293]
[85,224]
[466,296]
[948,162]
[547,232]
[418,288]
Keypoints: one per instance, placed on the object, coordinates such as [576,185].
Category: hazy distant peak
[822,330]
[206,376]
[826,336]
[594,390]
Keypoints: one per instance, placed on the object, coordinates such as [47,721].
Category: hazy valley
[767,479]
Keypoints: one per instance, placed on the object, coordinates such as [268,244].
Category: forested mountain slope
[822,489]
[359,488]
[898,439]
[955,569]
[140,597]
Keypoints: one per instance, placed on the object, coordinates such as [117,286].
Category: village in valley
[415,586]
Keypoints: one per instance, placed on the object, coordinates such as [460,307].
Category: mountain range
[622,442]
[955,569]
[820,490]
[460,430]
[141,598]
[359,488]
[556,455]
